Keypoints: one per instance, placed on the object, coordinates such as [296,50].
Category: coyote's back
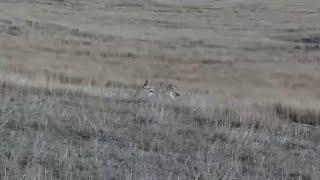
[160,88]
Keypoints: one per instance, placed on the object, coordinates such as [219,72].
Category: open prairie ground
[72,105]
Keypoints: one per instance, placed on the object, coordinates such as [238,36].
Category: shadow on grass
[301,116]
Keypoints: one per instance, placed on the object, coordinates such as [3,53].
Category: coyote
[157,88]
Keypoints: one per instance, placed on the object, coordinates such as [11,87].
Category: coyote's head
[147,84]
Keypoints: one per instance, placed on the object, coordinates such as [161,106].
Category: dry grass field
[72,104]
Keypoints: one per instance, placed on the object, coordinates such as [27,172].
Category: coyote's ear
[146,83]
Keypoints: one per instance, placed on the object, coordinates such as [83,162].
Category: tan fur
[161,88]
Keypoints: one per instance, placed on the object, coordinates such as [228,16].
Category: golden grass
[71,104]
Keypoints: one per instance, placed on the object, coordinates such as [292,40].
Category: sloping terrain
[72,107]
[69,135]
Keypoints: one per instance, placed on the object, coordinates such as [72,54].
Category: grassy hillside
[65,134]
[72,105]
